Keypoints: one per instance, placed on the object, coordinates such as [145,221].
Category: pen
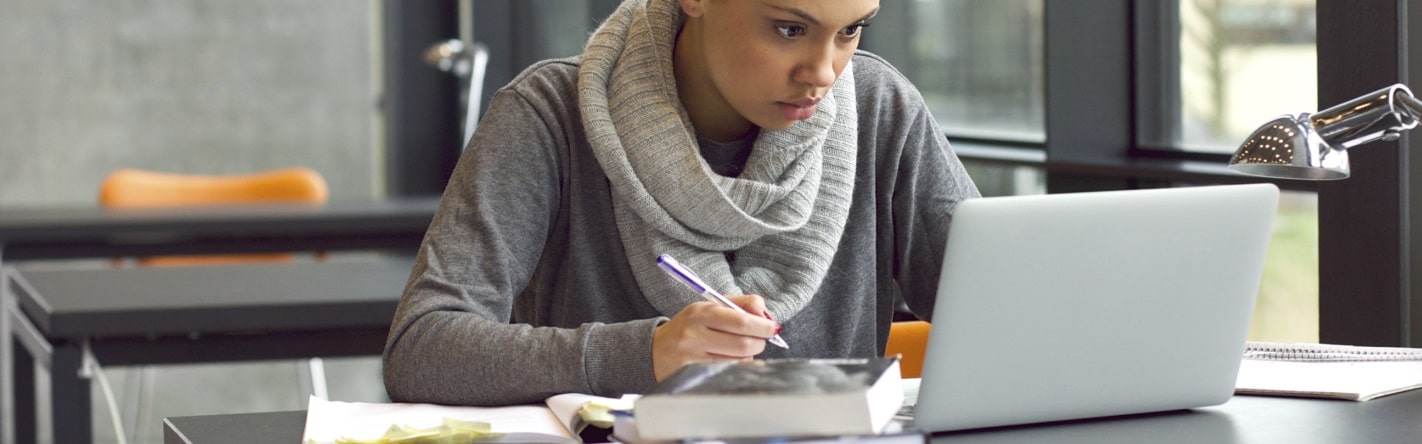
[689,278]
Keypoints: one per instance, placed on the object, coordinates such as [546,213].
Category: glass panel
[995,179]
[978,64]
[1243,62]
[1287,308]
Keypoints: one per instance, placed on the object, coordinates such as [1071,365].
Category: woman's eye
[789,31]
[854,30]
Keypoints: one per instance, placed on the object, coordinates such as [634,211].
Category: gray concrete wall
[195,86]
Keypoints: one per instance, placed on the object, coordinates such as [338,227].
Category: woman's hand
[706,330]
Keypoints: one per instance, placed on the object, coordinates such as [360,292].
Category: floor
[188,390]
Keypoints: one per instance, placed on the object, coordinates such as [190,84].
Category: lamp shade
[1287,147]
[1314,146]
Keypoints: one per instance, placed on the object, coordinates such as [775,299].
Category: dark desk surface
[140,316]
[91,231]
[1244,419]
[70,302]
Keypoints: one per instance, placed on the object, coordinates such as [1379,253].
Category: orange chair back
[130,188]
[910,340]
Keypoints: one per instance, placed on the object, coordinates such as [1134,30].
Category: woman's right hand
[708,331]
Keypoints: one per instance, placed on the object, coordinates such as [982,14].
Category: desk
[1244,420]
[93,232]
[138,316]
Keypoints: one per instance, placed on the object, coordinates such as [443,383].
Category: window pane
[1287,308]
[1243,62]
[977,63]
[995,179]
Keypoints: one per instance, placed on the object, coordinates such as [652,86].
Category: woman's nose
[818,69]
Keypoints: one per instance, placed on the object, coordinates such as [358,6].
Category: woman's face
[765,63]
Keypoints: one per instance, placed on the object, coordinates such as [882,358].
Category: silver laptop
[1084,305]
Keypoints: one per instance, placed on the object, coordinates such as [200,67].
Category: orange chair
[910,340]
[130,188]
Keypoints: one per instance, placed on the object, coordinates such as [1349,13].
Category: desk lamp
[468,62]
[1314,146]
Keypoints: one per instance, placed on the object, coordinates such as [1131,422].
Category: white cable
[318,378]
[142,422]
[90,369]
[480,60]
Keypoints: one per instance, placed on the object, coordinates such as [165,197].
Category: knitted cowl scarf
[783,216]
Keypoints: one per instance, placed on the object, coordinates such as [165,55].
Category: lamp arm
[1410,104]
[1381,115]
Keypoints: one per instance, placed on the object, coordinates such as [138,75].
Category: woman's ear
[692,8]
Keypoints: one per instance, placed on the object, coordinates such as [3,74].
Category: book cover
[772,398]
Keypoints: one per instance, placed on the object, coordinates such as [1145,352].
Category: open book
[1328,371]
[558,421]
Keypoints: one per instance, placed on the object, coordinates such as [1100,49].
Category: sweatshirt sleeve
[451,340]
[922,181]
[931,183]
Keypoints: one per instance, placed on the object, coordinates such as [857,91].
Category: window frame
[1366,297]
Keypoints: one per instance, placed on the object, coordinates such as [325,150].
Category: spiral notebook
[1328,371]
[1082,305]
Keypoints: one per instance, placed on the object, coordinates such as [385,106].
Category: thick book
[1328,371]
[772,398]
[625,431]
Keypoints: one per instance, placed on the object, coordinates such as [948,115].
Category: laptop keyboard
[905,413]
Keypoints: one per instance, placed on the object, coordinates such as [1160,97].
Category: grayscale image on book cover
[773,376]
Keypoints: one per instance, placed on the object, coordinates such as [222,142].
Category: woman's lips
[799,109]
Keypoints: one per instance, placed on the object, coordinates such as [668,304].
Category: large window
[978,63]
[1243,62]
[1228,65]
[1117,109]
[1240,63]
[979,66]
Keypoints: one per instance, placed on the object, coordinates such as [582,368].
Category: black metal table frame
[252,338]
[92,232]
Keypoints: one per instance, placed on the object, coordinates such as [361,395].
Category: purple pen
[686,276]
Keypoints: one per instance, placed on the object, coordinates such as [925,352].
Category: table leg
[7,378]
[24,392]
[6,360]
[69,395]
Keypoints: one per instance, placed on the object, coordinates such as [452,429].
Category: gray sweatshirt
[521,290]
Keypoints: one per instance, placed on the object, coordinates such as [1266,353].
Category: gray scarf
[783,216]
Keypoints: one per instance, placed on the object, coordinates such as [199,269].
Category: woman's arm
[451,340]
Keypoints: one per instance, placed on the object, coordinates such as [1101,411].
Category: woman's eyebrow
[813,21]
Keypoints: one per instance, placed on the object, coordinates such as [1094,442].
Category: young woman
[746,138]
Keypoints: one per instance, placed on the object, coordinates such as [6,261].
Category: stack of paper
[555,422]
[1328,375]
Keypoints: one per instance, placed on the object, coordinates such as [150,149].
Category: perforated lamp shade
[1287,147]
[1314,146]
